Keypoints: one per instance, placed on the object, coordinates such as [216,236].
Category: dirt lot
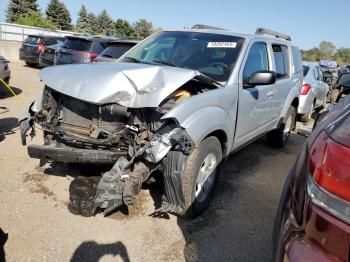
[33,201]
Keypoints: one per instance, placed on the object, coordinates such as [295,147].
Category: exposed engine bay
[135,141]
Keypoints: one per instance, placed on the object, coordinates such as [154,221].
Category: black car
[115,49]
[34,45]
[47,58]
[80,49]
[313,217]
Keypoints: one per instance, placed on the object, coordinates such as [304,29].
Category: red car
[313,218]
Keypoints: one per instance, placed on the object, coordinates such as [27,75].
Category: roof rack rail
[264,31]
[199,26]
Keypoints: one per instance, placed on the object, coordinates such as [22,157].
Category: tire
[196,196]
[307,117]
[279,137]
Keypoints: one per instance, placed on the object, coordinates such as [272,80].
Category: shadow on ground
[7,127]
[238,223]
[5,93]
[3,239]
[91,251]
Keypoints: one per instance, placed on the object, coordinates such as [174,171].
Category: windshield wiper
[165,63]
[135,60]
[206,79]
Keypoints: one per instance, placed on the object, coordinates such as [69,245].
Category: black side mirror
[263,77]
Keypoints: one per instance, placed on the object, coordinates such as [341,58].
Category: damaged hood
[128,84]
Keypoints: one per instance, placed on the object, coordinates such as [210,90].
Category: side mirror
[263,77]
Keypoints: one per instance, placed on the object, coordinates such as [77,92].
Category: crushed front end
[133,141]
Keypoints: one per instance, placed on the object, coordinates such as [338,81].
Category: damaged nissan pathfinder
[179,102]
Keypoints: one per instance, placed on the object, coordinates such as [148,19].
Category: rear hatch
[50,51]
[30,45]
[75,51]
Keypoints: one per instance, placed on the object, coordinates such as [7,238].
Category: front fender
[203,114]
[294,93]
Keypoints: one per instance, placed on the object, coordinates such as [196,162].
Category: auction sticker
[222,45]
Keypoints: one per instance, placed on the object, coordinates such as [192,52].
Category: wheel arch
[223,139]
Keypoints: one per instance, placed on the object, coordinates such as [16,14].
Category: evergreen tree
[58,13]
[83,21]
[104,22]
[143,28]
[20,8]
[124,29]
[92,24]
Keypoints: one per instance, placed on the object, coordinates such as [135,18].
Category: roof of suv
[228,32]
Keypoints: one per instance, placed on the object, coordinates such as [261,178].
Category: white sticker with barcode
[222,45]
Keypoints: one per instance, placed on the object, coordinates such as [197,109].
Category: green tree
[327,49]
[19,8]
[124,29]
[312,55]
[36,19]
[143,28]
[342,56]
[83,21]
[58,13]
[92,24]
[104,23]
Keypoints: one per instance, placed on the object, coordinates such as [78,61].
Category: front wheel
[279,137]
[199,177]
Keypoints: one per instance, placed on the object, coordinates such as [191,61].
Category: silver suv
[179,102]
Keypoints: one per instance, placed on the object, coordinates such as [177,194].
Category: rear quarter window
[282,63]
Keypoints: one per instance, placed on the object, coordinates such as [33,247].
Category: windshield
[32,40]
[214,55]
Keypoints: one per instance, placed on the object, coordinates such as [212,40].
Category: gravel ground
[34,215]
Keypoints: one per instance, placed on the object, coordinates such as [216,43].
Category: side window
[297,63]
[281,55]
[257,60]
[315,72]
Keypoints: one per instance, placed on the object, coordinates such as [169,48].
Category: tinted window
[257,60]
[213,55]
[281,55]
[77,44]
[32,40]
[115,51]
[297,63]
[306,70]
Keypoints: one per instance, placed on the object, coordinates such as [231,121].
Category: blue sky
[305,20]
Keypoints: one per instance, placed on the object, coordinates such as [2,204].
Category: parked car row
[43,51]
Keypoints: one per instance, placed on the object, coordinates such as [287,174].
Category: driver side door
[254,106]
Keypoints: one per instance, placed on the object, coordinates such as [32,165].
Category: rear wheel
[200,175]
[279,137]
[31,64]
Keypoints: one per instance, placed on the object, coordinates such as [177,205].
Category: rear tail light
[305,89]
[329,165]
[86,55]
[41,47]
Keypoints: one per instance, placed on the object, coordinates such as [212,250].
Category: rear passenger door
[254,107]
[282,67]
